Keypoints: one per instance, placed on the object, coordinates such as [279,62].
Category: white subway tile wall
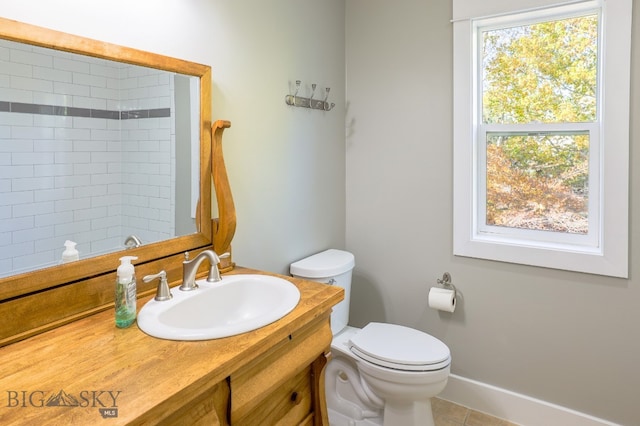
[86,154]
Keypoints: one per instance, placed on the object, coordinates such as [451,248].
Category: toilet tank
[332,267]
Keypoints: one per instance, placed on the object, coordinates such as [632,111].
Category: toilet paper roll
[442,299]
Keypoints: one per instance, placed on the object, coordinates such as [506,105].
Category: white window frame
[605,249]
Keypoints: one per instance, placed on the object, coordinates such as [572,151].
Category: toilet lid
[399,347]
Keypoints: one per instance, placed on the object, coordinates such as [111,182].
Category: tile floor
[447,413]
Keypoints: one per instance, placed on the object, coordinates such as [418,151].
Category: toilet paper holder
[445,282]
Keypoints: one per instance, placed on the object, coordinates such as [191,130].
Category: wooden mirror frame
[91,278]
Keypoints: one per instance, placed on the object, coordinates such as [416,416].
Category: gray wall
[567,338]
[286,164]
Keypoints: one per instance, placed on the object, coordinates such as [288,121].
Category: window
[541,110]
[538,125]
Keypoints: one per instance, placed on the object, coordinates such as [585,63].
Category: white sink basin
[235,305]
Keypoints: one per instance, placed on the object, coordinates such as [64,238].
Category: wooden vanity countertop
[96,363]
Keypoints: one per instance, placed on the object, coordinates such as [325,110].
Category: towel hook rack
[303,102]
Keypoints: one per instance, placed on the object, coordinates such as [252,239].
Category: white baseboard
[514,407]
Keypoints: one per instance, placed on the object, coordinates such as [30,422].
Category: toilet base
[401,413]
[419,414]
[338,419]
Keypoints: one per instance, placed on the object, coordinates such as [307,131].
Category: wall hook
[299,101]
[296,93]
[313,90]
[326,105]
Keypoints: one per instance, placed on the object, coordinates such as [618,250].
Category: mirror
[103,147]
[89,155]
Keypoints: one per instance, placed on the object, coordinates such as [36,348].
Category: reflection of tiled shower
[79,139]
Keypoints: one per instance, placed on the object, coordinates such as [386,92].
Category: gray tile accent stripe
[26,108]
[145,113]
[159,112]
[103,113]
[131,115]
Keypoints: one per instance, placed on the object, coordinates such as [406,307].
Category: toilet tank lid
[328,263]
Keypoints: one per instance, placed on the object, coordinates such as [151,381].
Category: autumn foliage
[540,73]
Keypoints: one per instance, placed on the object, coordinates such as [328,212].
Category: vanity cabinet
[282,386]
[270,376]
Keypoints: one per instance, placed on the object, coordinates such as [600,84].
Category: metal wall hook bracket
[302,102]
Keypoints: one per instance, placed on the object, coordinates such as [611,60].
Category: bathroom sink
[235,305]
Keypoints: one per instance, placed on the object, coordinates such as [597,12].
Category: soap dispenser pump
[126,292]
[70,252]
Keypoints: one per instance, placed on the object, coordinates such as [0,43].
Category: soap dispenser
[126,290]
[70,253]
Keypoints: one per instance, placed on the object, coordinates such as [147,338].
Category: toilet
[382,374]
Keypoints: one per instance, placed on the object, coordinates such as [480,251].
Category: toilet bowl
[382,374]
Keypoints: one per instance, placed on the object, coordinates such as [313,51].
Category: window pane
[544,72]
[538,181]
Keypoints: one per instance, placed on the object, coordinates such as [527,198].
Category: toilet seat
[400,348]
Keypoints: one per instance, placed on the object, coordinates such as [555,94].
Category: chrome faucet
[190,268]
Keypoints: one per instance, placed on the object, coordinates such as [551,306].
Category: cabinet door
[282,387]
[289,404]
[209,409]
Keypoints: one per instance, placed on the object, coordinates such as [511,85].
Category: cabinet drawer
[279,387]
[209,408]
[289,404]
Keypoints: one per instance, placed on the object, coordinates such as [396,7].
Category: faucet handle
[162,293]
[214,272]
